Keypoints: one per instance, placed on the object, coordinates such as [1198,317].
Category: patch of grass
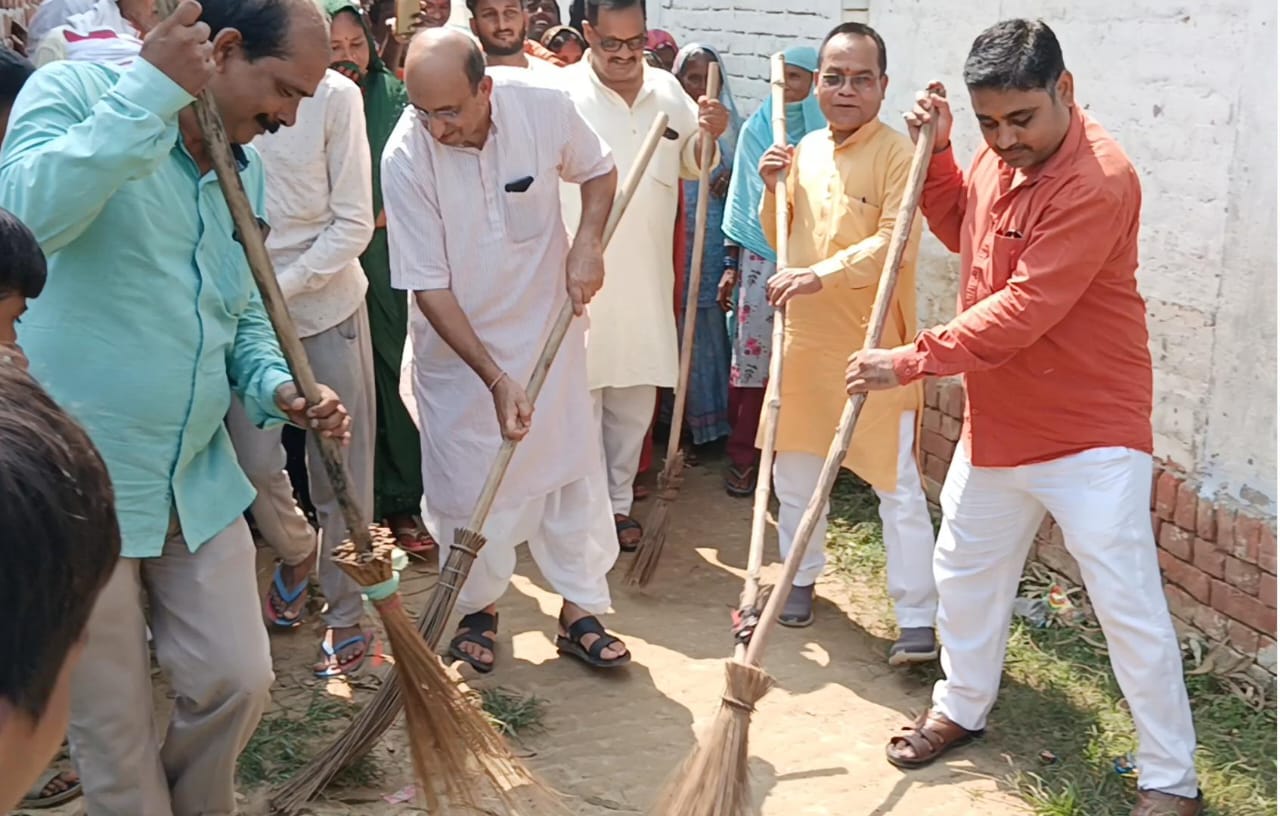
[283,744]
[1059,695]
[512,712]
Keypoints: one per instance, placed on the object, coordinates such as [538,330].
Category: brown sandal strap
[930,736]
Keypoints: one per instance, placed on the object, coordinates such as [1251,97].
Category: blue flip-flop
[337,668]
[288,596]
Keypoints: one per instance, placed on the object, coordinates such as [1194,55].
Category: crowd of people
[448,190]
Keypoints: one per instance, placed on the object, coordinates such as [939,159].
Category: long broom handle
[773,389]
[694,278]
[255,250]
[499,469]
[849,418]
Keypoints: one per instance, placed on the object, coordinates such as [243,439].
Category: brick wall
[1219,562]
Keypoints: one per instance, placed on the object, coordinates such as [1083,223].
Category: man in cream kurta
[631,349]
[471,181]
[844,186]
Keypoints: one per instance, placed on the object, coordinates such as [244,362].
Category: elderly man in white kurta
[471,181]
[631,349]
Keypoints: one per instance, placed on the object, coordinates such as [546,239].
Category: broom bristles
[459,758]
[454,572]
[714,779]
[645,564]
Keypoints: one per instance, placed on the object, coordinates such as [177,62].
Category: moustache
[267,123]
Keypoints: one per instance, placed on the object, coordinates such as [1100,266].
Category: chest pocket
[528,213]
[993,267]
[855,219]
[664,167]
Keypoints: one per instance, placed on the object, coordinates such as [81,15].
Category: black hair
[1015,55]
[263,24]
[563,36]
[23,270]
[61,538]
[858,30]
[15,69]
[593,7]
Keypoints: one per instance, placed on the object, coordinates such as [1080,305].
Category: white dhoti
[1101,499]
[570,534]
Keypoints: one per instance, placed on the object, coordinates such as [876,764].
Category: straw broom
[713,780]
[669,480]
[748,615]
[378,715]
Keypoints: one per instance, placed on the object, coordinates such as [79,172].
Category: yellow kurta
[843,201]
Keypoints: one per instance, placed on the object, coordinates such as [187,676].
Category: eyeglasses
[862,83]
[426,117]
[612,44]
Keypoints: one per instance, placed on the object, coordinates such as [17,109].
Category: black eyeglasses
[612,44]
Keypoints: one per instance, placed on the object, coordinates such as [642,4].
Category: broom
[443,727]
[713,781]
[655,534]
[748,616]
[378,715]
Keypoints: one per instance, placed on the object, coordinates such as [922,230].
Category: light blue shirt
[150,318]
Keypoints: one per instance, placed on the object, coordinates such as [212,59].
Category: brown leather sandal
[928,738]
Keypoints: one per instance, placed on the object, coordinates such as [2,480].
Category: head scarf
[729,141]
[384,95]
[741,215]
[555,31]
[656,38]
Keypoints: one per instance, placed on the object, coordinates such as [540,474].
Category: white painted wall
[1189,90]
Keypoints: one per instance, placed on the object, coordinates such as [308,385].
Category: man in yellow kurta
[844,187]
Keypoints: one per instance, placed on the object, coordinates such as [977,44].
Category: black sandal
[475,624]
[626,524]
[572,644]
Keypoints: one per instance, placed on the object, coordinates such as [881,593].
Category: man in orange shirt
[1052,341]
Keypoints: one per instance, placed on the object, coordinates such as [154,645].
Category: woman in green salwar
[397,458]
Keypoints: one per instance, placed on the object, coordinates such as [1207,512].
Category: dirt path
[817,739]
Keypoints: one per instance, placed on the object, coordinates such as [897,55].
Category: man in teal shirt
[149,321]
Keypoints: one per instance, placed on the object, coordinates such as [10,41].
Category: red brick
[1243,608]
[932,420]
[1241,575]
[1176,541]
[1267,549]
[1184,509]
[1179,572]
[1210,621]
[937,445]
[951,428]
[1181,605]
[1208,558]
[951,398]
[1166,495]
[1267,589]
[1248,537]
[1224,518]
[931,394]
[1206,520]
[934,468]
[1244,639]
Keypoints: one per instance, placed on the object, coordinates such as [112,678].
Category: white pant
[904,514]
[571,536]
[1101,499]
[624,416]
[211,643]
[342,358]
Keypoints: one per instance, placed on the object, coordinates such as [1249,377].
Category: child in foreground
[60,541]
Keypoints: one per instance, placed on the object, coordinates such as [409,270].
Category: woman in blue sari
[749,262]
[707,407]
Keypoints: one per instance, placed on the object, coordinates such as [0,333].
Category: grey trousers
[210,641]
[342,358]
